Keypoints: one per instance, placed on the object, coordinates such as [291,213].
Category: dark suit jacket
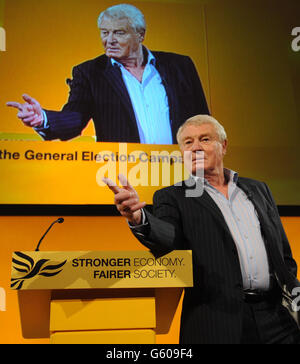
[212,309]
[98,92]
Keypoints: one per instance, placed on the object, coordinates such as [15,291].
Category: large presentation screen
[238,61]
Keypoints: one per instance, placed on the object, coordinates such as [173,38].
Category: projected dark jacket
[98,92]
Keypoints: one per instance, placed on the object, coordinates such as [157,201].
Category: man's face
[119,40]
[202,138]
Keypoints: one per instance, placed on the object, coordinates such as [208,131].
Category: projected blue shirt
[150,103]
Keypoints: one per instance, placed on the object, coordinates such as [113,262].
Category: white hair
[203,119]
[125,11]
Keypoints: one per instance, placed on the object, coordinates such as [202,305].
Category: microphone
[60,221]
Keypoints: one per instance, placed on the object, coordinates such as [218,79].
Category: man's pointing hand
[126,200]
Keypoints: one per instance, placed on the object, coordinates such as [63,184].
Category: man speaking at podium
[242,259]
[131,93]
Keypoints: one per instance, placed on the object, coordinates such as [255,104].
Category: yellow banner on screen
[40,172]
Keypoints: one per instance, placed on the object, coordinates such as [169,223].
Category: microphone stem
[38,246]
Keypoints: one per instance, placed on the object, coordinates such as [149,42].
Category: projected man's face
[120,41]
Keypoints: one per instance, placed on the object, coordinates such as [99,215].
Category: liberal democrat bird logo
[25,264]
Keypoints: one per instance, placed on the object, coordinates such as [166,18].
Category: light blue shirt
[40,129]
[150,103]
[242,221]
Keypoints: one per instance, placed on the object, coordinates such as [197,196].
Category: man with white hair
[242,259]
[131,93]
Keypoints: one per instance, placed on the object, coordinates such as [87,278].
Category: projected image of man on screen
[131,93]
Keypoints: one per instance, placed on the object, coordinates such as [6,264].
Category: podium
[103,297]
